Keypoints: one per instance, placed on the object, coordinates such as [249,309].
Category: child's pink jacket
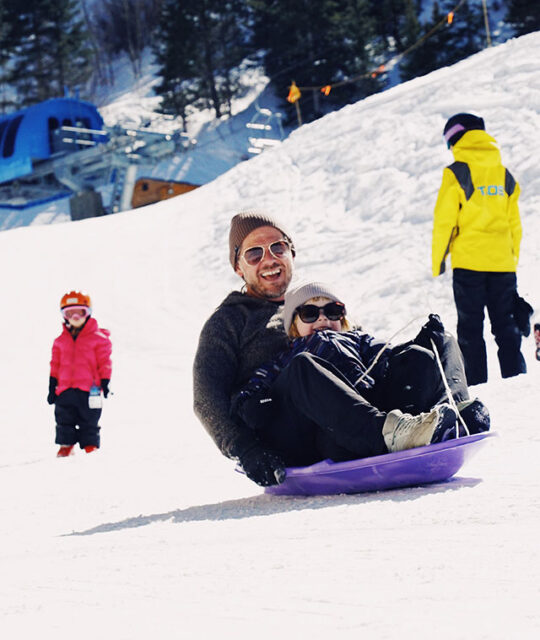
[82,362]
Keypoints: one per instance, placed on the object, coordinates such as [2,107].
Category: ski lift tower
[265,124]
[113,162]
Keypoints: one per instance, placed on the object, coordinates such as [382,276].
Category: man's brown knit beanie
[245,222]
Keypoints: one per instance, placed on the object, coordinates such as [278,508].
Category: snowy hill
[155,535]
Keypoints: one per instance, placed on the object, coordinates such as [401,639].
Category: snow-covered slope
[155,534]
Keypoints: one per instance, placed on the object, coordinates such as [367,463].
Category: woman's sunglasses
[310,313]
[279,249]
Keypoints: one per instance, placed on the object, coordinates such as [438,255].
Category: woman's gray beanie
[298,295]
[245,222]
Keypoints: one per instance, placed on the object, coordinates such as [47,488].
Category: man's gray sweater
[243,333]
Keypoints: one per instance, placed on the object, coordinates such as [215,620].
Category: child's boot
[403,431]
[65,451]
[89,448]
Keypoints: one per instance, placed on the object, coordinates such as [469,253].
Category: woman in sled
[339,393]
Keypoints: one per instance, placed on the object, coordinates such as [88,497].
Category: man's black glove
[432,330]
[105,386]
[262,466]
[51,398]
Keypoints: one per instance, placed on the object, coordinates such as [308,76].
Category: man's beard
[269,290]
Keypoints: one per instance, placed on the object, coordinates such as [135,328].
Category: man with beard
[245,331]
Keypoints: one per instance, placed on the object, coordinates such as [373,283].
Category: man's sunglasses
[310,313]
[253,255]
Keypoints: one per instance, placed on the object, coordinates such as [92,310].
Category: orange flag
[294,93]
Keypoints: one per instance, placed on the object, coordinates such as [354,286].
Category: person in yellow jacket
[477,221]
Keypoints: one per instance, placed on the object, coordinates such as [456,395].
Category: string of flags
[295,92]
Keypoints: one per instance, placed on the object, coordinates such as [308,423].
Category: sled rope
[448,392]
[451,400]
[380,352]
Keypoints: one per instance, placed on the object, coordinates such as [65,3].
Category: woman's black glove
[105,386]
[51,398]
[262,466]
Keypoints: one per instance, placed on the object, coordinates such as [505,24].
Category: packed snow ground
[155,534]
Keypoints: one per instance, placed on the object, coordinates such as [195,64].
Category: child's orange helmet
[75,299]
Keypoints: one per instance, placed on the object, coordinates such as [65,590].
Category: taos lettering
[492,190]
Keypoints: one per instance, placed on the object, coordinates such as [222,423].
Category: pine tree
[452,41]
[233,38]
[51,53]
[465,35]
[390,18]
[353,26]
[199,44]
[316,43]
[177,69]
[102,64]
[10,35]
[125,26]
[424,57]
[5,29]
[523,15]
[411,25]
[69,46]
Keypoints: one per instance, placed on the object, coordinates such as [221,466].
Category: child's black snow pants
[75,421]
[474,291]
[414,382]
[313,413]
[313,409]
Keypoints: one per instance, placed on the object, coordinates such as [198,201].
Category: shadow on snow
[267,505]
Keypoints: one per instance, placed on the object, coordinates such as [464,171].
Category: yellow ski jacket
[476,216]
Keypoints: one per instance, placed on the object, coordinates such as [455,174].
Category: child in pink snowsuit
[80,370]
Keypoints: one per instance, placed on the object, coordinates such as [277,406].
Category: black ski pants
[414,383]
[314,408]
[313,413]
[75,421]
[473,292]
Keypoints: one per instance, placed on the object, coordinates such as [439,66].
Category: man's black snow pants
[313,413]
[474,291]
[75,421]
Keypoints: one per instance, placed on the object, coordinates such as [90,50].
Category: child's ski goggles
[310,313]
[75,312]
[279,249]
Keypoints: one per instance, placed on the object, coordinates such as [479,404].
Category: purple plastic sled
[423,465]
